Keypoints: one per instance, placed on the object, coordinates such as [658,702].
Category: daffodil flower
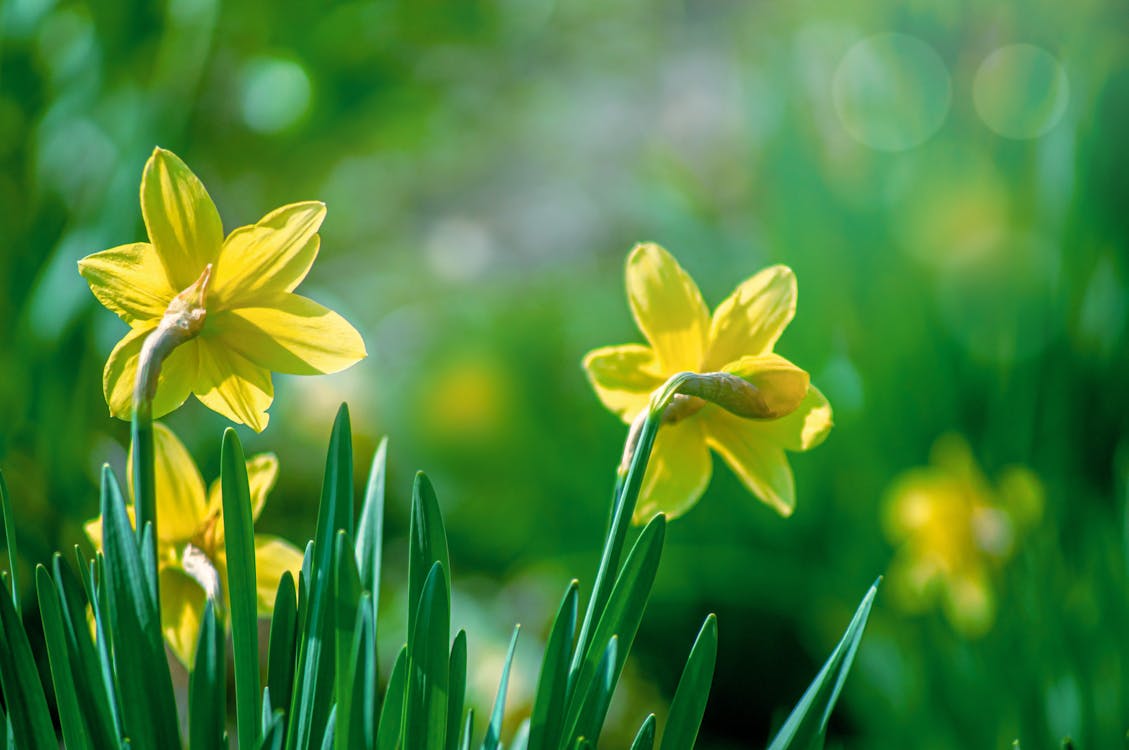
[191,560]
[954,530]
[785,412]
[233,297]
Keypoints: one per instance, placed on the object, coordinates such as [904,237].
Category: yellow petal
[129,280]
[273,557]
[759,463]
[177,376]
[751,319]
[262,474]
[182,221]
[234,387]
[182,611]
[805,428]
[623,377]
[288,333]
[668,308]
[781,384]
[272,255]
[678,473]
[181,505]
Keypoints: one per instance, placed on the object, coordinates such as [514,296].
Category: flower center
[196,563]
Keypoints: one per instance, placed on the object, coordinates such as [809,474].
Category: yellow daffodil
[191,560]
[238,293]
[954,530]
[738,339]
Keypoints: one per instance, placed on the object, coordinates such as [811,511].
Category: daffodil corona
[191,559]
[226,305]
[747,403]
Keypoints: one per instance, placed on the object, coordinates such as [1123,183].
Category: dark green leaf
[207,687]
[19,679]
[494,729]
[645,737]
[357,708]
[552,689]
[392,712]
[370,530]
[71,720]
[597,699]
[427,545]
[456,672]
[281,644]
[346,592]
[689,704]
[10,540]
[427,673]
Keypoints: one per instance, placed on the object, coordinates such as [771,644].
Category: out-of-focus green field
[949,180]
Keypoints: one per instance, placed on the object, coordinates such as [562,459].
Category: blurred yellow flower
[191,560]
[236,291]
[738,339]
[953,530]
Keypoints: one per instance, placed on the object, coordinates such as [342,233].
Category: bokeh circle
[1021,91]
[892,92]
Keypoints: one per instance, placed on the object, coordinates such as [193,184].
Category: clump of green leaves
[113,689]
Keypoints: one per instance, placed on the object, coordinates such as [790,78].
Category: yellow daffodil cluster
[738,339]
[191,561]
[954,530]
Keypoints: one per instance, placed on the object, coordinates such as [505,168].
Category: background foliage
[488,164]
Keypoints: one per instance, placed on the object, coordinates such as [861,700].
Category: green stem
[629,480]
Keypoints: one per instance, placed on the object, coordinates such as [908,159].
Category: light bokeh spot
[1021,91]
[892,92]
[276,93]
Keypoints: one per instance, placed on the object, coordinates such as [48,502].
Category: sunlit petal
[130,280]
[805,428]
[668,308]
[273,557]
[623,377]
[174,383]
[758,462]
[751,319]
[678,473]
[182,611]
[272,255]
[234,387]
[289,333]
[182,221]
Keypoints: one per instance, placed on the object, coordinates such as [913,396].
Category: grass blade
[456,679]
[428,545]
[552,688]
[335,512]
[428,677]
[357,708]
[392,712]
[239,543]
[493,738]
[599,697]
[10,541]
[24,699]
[689,704]
[71,720]
[346,592]
[468,729]
[521,737]
[645,737]
[370,529]
[281,644]
[207,687]
[805,727]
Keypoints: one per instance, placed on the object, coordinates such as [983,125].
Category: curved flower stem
[629,480]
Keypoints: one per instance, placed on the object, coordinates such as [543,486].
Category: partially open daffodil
[191,560]
[738,339]
[238,292]
[954,530]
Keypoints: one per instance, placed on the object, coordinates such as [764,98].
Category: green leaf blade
[689,704]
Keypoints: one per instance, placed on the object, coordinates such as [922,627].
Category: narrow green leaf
[468,729]
[330,733]
[347,590]
[100,606]
[521,737]
[268,712]
[428,678]
[392,712]
[645,737]
[552,688]
[207,687]
[493,738]
[335,511]
[30,719]
[594,708]
[71,721]
[689,704]
[281,645]
[805,727]
[456,698]
[357,708]
[621,618]
[274,733]
[99,708]
[370,530]
[239,543]
[427,545]
[140,668]
[10,541]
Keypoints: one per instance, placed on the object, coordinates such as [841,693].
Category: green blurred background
[949,180]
